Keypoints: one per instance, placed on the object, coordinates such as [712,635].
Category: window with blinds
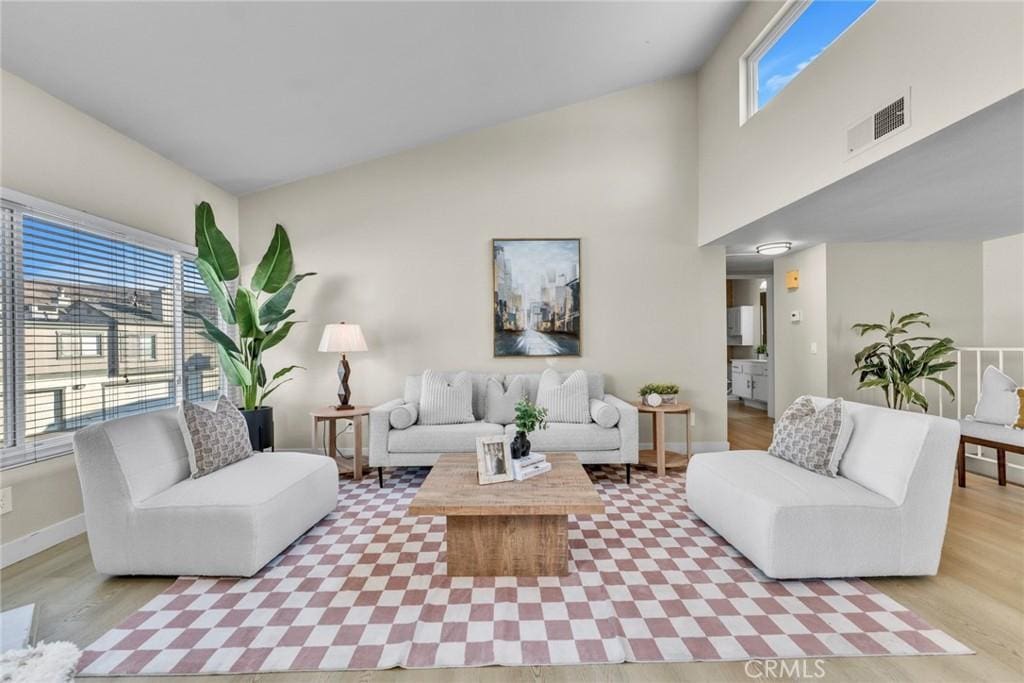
[94,328]
[201,370]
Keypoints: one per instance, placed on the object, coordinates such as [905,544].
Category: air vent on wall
[890,119]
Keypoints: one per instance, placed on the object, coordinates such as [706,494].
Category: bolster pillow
[404,415]
[603,413]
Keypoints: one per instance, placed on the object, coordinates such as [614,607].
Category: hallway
[749,428]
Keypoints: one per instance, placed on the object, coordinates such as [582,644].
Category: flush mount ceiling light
[773,248]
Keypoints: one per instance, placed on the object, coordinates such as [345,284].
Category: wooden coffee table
[515,528]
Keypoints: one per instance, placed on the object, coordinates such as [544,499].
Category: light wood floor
[978,597]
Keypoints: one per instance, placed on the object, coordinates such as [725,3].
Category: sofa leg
[380,476]
[961,464]
[1001,465]
[628,469]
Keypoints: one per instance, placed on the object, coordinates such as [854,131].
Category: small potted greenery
[667,392]
[902,361]
[529,418]
[762,352]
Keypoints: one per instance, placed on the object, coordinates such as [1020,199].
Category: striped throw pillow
[444,400]
[566,401]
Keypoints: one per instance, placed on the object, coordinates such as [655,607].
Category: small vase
[520,446]
[669,399]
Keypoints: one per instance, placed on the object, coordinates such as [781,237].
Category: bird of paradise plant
[261,324]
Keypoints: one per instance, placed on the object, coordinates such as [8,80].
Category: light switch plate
[814,347]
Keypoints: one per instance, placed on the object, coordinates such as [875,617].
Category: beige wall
[798,371]
[1003,322]
[403,248]
[957,58]
[55,152]
[1003,286]
[867,281]
[844,284]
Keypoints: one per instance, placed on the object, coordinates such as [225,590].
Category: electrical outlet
[693,419]
[6,500]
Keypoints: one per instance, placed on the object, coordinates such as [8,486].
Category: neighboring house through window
[797,35]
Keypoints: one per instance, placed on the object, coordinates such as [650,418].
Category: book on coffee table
[530,466]
[524,473]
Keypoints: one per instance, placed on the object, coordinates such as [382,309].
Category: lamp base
[344,393]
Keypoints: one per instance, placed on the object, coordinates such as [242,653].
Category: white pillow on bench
[999,402]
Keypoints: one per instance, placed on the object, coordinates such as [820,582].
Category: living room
[407,151]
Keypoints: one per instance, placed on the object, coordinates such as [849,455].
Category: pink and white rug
[366,589]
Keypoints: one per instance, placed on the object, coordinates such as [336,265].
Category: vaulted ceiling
[255,94]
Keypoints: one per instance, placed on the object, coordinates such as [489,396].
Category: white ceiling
[965,182]
[254,94]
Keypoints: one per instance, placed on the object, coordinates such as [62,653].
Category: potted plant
[667,392]
[762,351]
[260,324]
[529,418]
[898,361]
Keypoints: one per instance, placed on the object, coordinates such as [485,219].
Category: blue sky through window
[812,32]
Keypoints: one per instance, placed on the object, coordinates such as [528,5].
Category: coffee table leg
[516,545]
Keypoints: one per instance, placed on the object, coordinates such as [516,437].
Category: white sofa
[145,515]
[885,514]
[420,445]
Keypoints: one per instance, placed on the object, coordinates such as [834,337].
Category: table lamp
[343,338]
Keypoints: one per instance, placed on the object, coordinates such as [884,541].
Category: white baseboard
[38,541]
[987,468]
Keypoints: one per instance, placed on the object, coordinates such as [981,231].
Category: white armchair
[885,514]
[145,515]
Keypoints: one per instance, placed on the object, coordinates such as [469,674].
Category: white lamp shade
[342,338]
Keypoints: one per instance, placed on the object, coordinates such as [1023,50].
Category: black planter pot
[261,427]
[520,446]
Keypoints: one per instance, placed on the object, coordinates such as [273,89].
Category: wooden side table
[658,456]
[330,416]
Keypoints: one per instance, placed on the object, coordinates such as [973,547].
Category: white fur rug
[41,663]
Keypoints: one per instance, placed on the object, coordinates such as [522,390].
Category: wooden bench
[1001,439]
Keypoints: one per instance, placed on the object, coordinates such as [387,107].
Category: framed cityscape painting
[536,297]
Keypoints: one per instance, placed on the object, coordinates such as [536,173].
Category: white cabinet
[750,380]
[739,325]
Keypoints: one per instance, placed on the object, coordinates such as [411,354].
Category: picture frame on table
[494,459]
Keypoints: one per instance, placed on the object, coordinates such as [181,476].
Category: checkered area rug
[366,589]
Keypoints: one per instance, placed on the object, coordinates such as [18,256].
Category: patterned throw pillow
[813,439]
[566,401]
[444,401]
[500,407]
[214,438]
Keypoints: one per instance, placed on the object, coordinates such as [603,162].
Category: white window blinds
[94,329]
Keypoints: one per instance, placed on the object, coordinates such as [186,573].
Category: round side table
[658,456]
[331,416]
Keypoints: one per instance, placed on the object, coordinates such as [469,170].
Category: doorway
[750,367]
